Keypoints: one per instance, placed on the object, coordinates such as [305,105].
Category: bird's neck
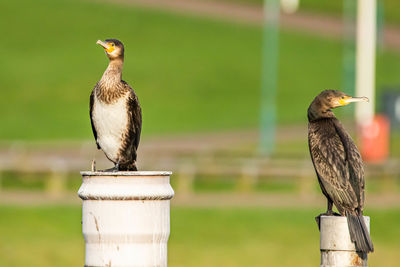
[113,73]
[319,111]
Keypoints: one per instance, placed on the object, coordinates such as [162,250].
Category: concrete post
[126,218]
[337,250]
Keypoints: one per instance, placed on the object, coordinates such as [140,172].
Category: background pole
[269,76]
[365,56]
[349,56]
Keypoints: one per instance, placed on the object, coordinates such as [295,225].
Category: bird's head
[333,98]
[329,99]
[113,48]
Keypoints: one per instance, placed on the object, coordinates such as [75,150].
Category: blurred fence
[190,164]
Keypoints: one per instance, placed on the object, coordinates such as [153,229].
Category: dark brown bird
[115,112]
[338,164]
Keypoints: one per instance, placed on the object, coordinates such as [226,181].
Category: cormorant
[338,164]
[115,112]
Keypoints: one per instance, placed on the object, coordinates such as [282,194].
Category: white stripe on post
[126,218]
[336,246]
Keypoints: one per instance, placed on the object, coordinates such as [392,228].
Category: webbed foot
[113,169]
[328,213]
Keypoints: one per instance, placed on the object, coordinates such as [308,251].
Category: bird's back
[131,137]
[338,164]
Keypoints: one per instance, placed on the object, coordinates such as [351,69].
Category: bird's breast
[110,121]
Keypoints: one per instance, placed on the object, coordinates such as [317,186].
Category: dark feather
[355,164]
[359,233]
[331,164]
[131,141]
[91,118]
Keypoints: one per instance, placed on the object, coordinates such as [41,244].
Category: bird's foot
[318,221]
[328,213]
[113,169]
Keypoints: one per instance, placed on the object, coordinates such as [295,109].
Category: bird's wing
[356,167]
[135,117]
[330,161]
[91,119]
[135,113]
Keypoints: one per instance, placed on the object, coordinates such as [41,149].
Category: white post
[365,56]
[337,250]
[125,218]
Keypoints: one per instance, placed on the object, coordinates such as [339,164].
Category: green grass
[391,8]
[191,74]
[51,236]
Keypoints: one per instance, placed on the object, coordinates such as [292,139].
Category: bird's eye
[342,97]
[112,44]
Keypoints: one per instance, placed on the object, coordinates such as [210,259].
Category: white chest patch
[110,121]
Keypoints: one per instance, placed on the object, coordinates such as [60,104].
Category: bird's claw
[328,213]
[113,169]
[318,221]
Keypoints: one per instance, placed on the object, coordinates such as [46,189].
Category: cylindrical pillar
[337,250]
[125,218]
[365,59]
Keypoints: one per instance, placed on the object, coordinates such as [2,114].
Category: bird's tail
[359,233]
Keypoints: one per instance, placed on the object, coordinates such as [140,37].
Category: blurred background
[224,95]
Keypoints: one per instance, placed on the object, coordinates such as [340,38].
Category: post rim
[126,173]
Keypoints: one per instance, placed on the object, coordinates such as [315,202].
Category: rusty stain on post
[357,259]
[336,246]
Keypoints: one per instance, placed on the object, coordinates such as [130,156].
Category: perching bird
[338,164]
[115,112]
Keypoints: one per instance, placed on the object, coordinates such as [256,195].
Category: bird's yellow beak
[106,46]
[348,99]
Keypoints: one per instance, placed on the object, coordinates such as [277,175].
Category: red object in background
[374,141]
